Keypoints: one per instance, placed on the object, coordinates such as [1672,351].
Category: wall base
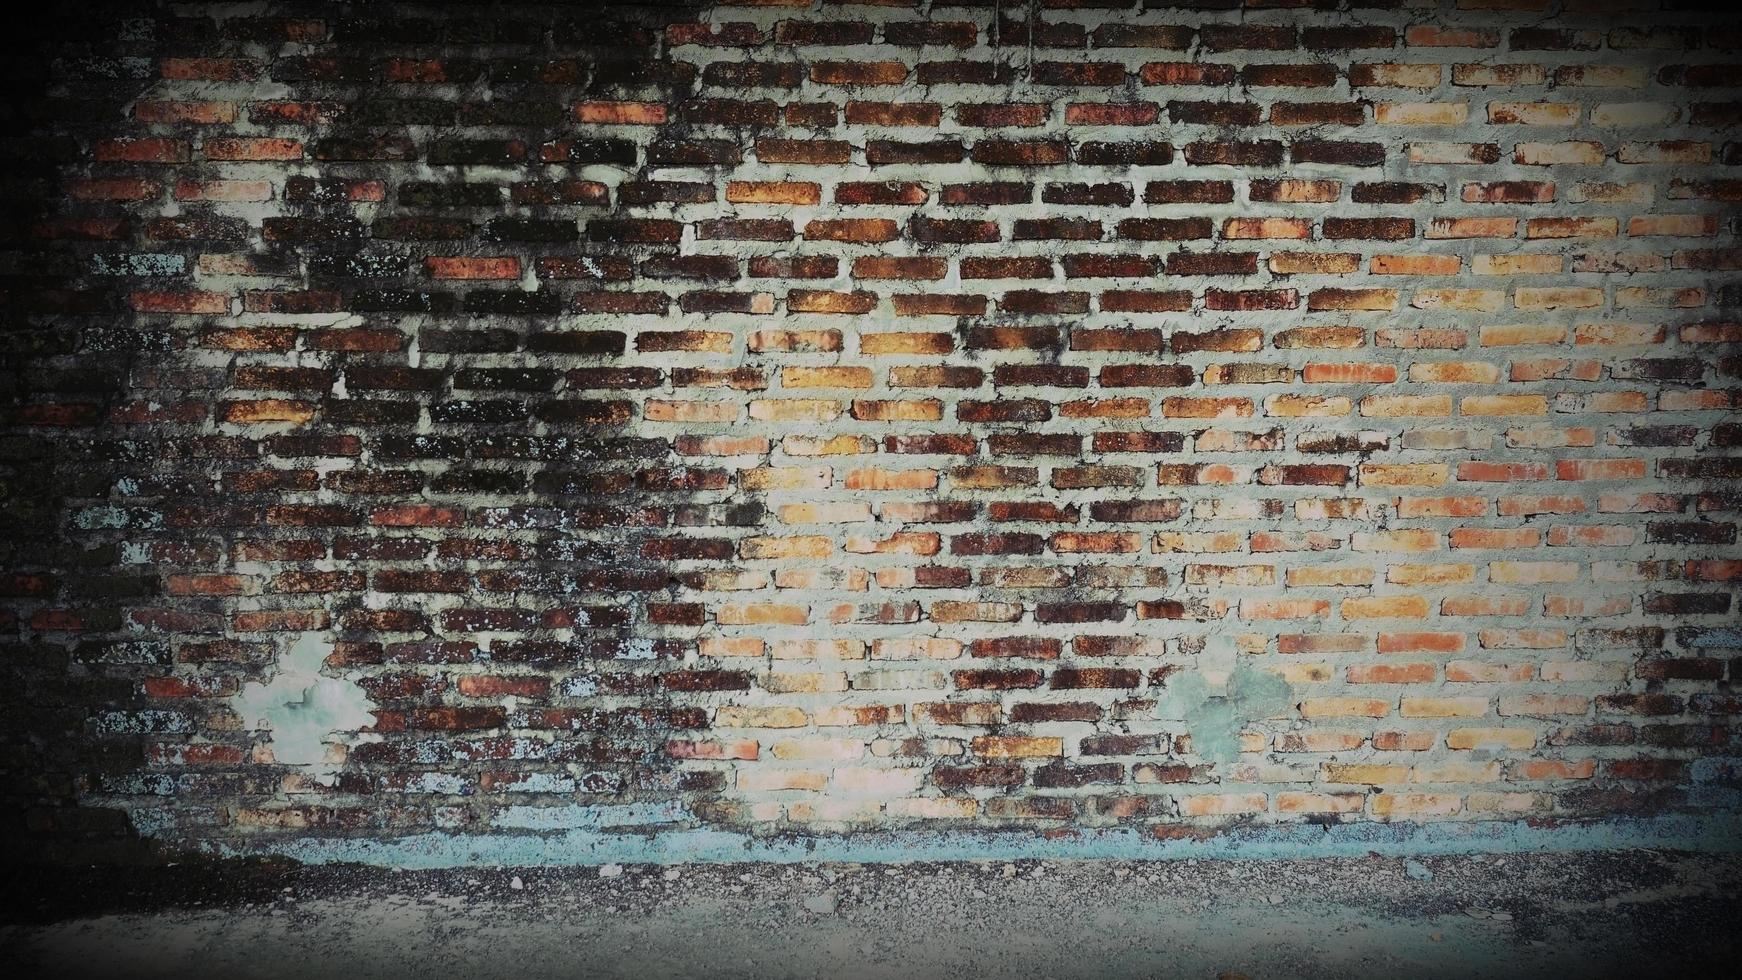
[1709,832]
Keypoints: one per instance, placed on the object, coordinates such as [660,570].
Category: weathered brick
[834,386]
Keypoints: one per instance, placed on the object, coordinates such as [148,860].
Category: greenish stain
[1215,717]
[304,709]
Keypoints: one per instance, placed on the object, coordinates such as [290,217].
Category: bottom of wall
[1709,832]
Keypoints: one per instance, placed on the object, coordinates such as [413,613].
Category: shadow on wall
[68,351]
[131,507]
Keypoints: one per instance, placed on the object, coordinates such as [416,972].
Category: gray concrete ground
[1635,913]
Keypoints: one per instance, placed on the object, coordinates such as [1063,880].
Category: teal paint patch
[582,847]
[304,710]
[113,517]
[144,264]
[1725,638]
[147,722]
[1215,718]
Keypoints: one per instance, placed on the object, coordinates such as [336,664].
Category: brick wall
[832,415]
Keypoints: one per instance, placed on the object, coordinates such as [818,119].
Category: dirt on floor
[1620,914]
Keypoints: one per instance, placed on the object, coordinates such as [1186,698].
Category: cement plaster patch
[306,709]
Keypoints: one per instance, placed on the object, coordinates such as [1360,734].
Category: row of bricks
[1576,752]
[1014,303]
[417,699]
[744,73]
[366,413]
[483,372]
[925,269]
[439,339]
[1028,410]
[943,718]
[964,380]
[941,611]
[1116,32]
[1608,654]
[139,516]
[889,576]
[880,21]
[497,784]
[988,152]
[503,784]
[434,385]
[401,686]
[928,230]
[636,193]
[965,480]
[1580,751]
[120,516]
[196,583]
[1359,608]
[955,611]
[926,544]
[1603,110]
[423,693]
[553,302]
[930,115]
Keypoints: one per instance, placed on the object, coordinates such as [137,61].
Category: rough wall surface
[824,416]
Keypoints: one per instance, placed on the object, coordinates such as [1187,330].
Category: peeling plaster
[304,711]
[1217,703]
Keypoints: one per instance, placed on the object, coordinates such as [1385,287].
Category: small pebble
[824,904]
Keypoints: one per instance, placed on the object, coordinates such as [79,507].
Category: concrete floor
[1636,913]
